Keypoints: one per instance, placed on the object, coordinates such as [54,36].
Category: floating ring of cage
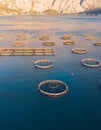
[21,36]
[98,44]
[18,44]
[48,43]
[79,50]
[90,62]
[53,88]
[44,37]
[43,64]
[66,37]
[89,36]
[69,42]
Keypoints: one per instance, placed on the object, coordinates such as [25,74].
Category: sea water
[22,107]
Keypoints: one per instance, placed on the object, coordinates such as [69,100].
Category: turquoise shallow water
[22,107]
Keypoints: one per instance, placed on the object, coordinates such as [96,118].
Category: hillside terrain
[44,7]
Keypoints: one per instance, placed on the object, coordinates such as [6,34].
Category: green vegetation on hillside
[4,8]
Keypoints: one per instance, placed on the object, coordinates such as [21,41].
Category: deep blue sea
[22,107]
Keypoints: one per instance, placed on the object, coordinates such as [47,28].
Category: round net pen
[53,88]
[48,43]
[98,44]
[69,42]
[79,51]
[43,64]
[90,62]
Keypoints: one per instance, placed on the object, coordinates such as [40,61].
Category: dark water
[22,107]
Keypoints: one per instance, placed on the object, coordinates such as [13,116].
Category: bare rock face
[91,4]
[67,6]
[15,7]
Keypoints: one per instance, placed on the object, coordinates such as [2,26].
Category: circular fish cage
[18,44]
[69,42]
[90,62]
[89,37]
[53,88]
[43,64]
[79,50]
[98,44]
[44,37]
[48,43]
[21,36]
[66,37]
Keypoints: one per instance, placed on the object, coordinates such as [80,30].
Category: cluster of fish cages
[26,52]
[44,52]
[67,39]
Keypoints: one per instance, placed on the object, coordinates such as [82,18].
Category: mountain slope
[15,7]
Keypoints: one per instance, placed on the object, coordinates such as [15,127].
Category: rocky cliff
[91,4]
[15,7]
